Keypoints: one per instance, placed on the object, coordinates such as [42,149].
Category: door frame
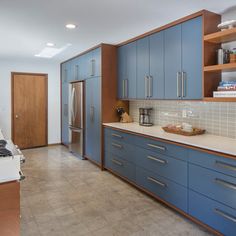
[12,103]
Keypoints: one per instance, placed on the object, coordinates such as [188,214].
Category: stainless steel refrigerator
[76,118]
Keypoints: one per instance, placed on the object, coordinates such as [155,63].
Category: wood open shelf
[221,67]
[224,36]
[211,99]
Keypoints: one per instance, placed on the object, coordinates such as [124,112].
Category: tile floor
[63,195]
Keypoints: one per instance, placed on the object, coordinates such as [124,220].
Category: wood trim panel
[165,203]
[12,101]
[175,143]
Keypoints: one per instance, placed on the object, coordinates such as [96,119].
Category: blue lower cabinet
[120,166]
[215,162]
[171,168]
[167,190]
[212,213]
[215,185]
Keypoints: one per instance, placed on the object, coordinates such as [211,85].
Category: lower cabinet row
[200,184]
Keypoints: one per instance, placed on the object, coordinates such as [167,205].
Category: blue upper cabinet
[156,79]
[183,60]
[143,85]
[173,62]
[127,71]
[96,62]
[192,58]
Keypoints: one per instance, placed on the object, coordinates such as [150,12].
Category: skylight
[49,52]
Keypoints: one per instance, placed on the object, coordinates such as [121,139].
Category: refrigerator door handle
[72,106]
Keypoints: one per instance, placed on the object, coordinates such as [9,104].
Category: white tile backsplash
[217,118]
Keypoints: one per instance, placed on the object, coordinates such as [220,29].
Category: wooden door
[29,110]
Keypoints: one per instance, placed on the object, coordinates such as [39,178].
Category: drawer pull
[225,215]
[225,165]
[116,145]
[157,159]
[117,162]
[157,182]
[157,147]
[225,183]
[116,135]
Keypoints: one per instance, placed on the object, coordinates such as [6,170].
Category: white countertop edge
[8,180]
[206,141]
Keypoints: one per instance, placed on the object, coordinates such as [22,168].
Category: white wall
[36,66]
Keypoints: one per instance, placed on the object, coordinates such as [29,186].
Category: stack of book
[226,89]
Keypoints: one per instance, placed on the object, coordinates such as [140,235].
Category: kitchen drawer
[120,166]
[162,147]
[123,150]
[163,165]
[115,135]
[214,162]
[212,213]
[213,184]
[163,188]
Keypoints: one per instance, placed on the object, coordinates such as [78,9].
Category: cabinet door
[192,58]
[64,115]
[142,68]
[64,75]
[88,64]
[75,69]
[93,119]
[131,70]
[172,63]
[96,62]
[122,71]
[157,78]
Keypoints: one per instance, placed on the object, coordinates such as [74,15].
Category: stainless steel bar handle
[92,67]
[225,215]
[116,145]
[178,85]
[156,146]
[117,162]
[157,160]
[150,86]
[157,182]
[116,135]
[92,114]
[225,165]
[72,107]
[225,183]
[146,86]
[183,81]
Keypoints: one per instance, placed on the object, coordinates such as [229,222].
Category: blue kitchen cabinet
[65,114]
[150,67]
[64,73]
[127,71]
[183,60]
[172,64]
[93,119]
[192,58]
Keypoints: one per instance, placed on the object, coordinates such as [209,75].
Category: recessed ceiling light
[71,26]
[50,44]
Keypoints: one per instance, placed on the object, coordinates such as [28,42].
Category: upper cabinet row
[164,65]
[82,67]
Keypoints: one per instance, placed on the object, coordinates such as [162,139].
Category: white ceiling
[27,25]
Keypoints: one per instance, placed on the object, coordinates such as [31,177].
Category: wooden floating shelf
[211,99]
[221,67]
[224,36]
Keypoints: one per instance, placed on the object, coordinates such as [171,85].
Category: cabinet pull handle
[225,183]
[150,87]
[116,135]
[157,159]
[157,182]
[183,81]
[156,146]
[225,165]
[116,145]
[178,84]
[92,114]
[225,215]
[77,72]
[146,86]
[117,162]
[92,67]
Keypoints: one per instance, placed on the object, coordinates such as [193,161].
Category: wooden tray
[195,131]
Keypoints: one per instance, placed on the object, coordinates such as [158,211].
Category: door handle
[225,215]
[157,160]
[146,86]
[77,72]
[92,114]
[157,182]
[17,117]
[225,184]
[150,79]
[156,146]
[92,67]
[178,84]
[225,165]
[183,81]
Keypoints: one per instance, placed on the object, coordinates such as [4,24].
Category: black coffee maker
[145,118]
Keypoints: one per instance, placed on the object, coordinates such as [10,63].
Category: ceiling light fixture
[71,26]
[50,44]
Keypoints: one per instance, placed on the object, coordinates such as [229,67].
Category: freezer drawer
[76,141]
